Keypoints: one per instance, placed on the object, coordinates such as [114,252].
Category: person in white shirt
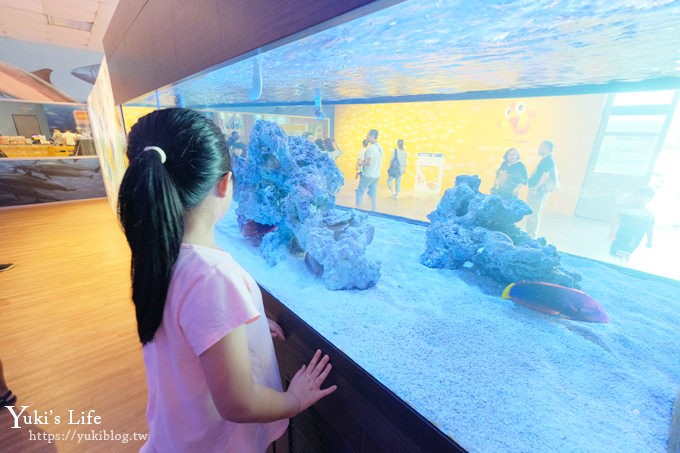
[368,182]
[69,138]
[57,137]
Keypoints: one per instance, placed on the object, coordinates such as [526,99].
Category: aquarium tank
[489,189]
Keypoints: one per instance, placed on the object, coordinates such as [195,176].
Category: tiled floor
[575,235]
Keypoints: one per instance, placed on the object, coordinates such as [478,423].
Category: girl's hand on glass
[306,384]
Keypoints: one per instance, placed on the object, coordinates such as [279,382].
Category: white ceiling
[27,20]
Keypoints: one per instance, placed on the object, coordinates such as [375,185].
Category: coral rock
[288,184]
[478,230]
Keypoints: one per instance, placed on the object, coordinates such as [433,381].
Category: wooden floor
[67,331]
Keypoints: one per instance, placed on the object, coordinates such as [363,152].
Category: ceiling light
[67,23]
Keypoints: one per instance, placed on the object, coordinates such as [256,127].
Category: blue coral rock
[477,230]
[287,183]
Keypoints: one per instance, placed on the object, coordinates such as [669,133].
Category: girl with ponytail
[212,376]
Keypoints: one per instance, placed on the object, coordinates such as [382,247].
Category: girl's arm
[226,366]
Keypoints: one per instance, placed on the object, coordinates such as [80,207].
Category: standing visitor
[634,221]
[397,168]
[541,182]
[332,148]
[510,175]
[370,175]
[7,398]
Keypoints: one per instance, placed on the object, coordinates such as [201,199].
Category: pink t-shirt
[209,295]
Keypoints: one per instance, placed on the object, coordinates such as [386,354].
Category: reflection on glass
[626,154]
[636,123]
[644,98]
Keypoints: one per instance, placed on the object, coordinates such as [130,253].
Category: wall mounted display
[108,132]
[46,73]
[30,181]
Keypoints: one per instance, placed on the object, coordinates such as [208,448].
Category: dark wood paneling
[150,44]
[362,415]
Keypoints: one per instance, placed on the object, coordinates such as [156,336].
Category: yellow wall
[474,135]
[131,114]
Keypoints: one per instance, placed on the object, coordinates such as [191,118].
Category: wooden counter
[37,150]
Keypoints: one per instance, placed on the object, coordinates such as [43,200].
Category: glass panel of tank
[468,89]
[443,139]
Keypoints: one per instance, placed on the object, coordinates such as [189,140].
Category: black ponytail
[154,195]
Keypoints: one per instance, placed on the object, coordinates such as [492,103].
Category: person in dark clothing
[510,175]
[541,182]
[319,142]
[7,398]
[233,139]
[236,146]
[634,222]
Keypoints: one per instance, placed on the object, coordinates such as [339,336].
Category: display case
[437,349]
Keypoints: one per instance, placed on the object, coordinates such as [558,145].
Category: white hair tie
[158,150]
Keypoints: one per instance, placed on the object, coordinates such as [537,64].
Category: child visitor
[212,375]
